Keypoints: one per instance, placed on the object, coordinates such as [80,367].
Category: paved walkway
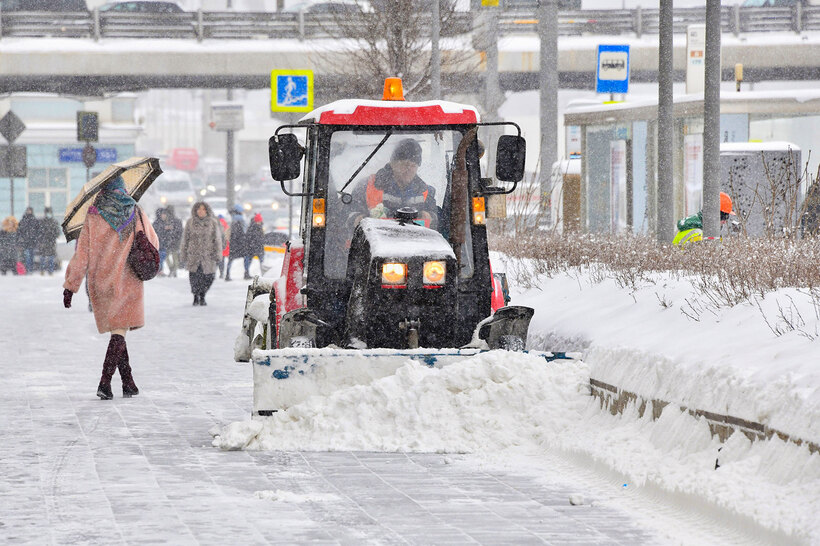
[76,470]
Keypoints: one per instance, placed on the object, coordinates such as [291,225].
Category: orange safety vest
[375,196]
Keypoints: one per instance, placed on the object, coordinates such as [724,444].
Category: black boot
[129,388]
[196,299]
[112,357]
[202,299]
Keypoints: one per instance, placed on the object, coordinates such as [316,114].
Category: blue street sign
[75,155]
[613,69]
[291,90]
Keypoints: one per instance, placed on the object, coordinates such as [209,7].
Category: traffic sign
[291,90]
[75,155]
[13,162]
[227,116]
[613,69]
[88,124]
[11,127]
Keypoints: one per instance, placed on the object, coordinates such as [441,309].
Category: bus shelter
[617,144]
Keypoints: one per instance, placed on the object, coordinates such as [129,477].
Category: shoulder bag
[143,256]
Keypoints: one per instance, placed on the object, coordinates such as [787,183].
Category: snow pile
[483,403]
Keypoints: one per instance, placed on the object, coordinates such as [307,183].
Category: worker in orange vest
[394,186]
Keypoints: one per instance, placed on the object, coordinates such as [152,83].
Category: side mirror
[285,154]
[510,155]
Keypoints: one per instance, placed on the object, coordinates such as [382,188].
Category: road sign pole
[229,167]
[11,179]
[711,122]
[548,32]
[435,56]
[665,226]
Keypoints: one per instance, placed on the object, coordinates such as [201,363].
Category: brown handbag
[143,256]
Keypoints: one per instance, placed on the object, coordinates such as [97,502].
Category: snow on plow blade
[285,377]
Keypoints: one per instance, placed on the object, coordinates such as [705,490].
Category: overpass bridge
[93,53]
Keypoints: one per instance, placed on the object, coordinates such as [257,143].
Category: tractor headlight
[394,275]
[247,206]
[435,273]
[190,198]
[163,199]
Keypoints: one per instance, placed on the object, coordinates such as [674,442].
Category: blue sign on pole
[75,155]
[291,90]
[613,69]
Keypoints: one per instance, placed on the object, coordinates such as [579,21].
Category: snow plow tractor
[392,260]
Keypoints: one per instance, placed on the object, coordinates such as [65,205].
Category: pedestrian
[8,245]
[174,240]
[237,243]
[28,237]
[255,239]
[226,246]
[690,229]
[49,233]
[169,231]
[201,249]
[115,292]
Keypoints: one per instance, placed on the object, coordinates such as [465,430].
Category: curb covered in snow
[616,400]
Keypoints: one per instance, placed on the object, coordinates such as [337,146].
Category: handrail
[203,25]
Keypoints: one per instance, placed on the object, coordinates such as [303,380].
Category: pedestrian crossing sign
[291,90]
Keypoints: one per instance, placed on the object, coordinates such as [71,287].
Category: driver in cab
[394,186]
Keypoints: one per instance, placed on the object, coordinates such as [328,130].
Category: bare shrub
[726,273]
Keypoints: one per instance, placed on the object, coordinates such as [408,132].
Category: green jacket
[691,222]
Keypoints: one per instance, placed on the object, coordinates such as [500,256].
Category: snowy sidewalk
[79,470]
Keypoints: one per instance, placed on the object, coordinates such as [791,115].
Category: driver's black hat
[407,149]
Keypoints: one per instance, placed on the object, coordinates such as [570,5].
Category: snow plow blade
[285,377]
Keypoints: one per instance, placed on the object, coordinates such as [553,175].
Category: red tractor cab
[392,250]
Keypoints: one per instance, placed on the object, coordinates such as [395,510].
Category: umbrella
[138,174]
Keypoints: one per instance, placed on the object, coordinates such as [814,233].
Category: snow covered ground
[725,361]
[500,448]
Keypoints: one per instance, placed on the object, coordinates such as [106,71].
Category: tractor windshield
[395,169]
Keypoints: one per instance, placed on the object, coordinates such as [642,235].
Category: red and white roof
[385,112]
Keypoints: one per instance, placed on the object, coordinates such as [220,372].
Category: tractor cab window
[395,169]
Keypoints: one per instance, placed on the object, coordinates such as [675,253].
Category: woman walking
[201,249]
[115,292]
[8,245]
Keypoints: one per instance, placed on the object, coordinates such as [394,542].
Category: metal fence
[202,25]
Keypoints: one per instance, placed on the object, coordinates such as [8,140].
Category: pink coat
[116,293]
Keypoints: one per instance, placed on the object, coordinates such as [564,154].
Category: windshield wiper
[348,198]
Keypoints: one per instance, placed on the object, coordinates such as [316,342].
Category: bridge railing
[283,25]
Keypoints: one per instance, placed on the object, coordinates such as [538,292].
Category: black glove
[67,295]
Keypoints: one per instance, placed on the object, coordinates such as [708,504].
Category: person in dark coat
[255,239]
[8,245]
[201,249]
[169,231]
[49,233]
[394,186]
[28,237]
[237,243]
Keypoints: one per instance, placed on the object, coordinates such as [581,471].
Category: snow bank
[501,405]
[662,340]
[667,341]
